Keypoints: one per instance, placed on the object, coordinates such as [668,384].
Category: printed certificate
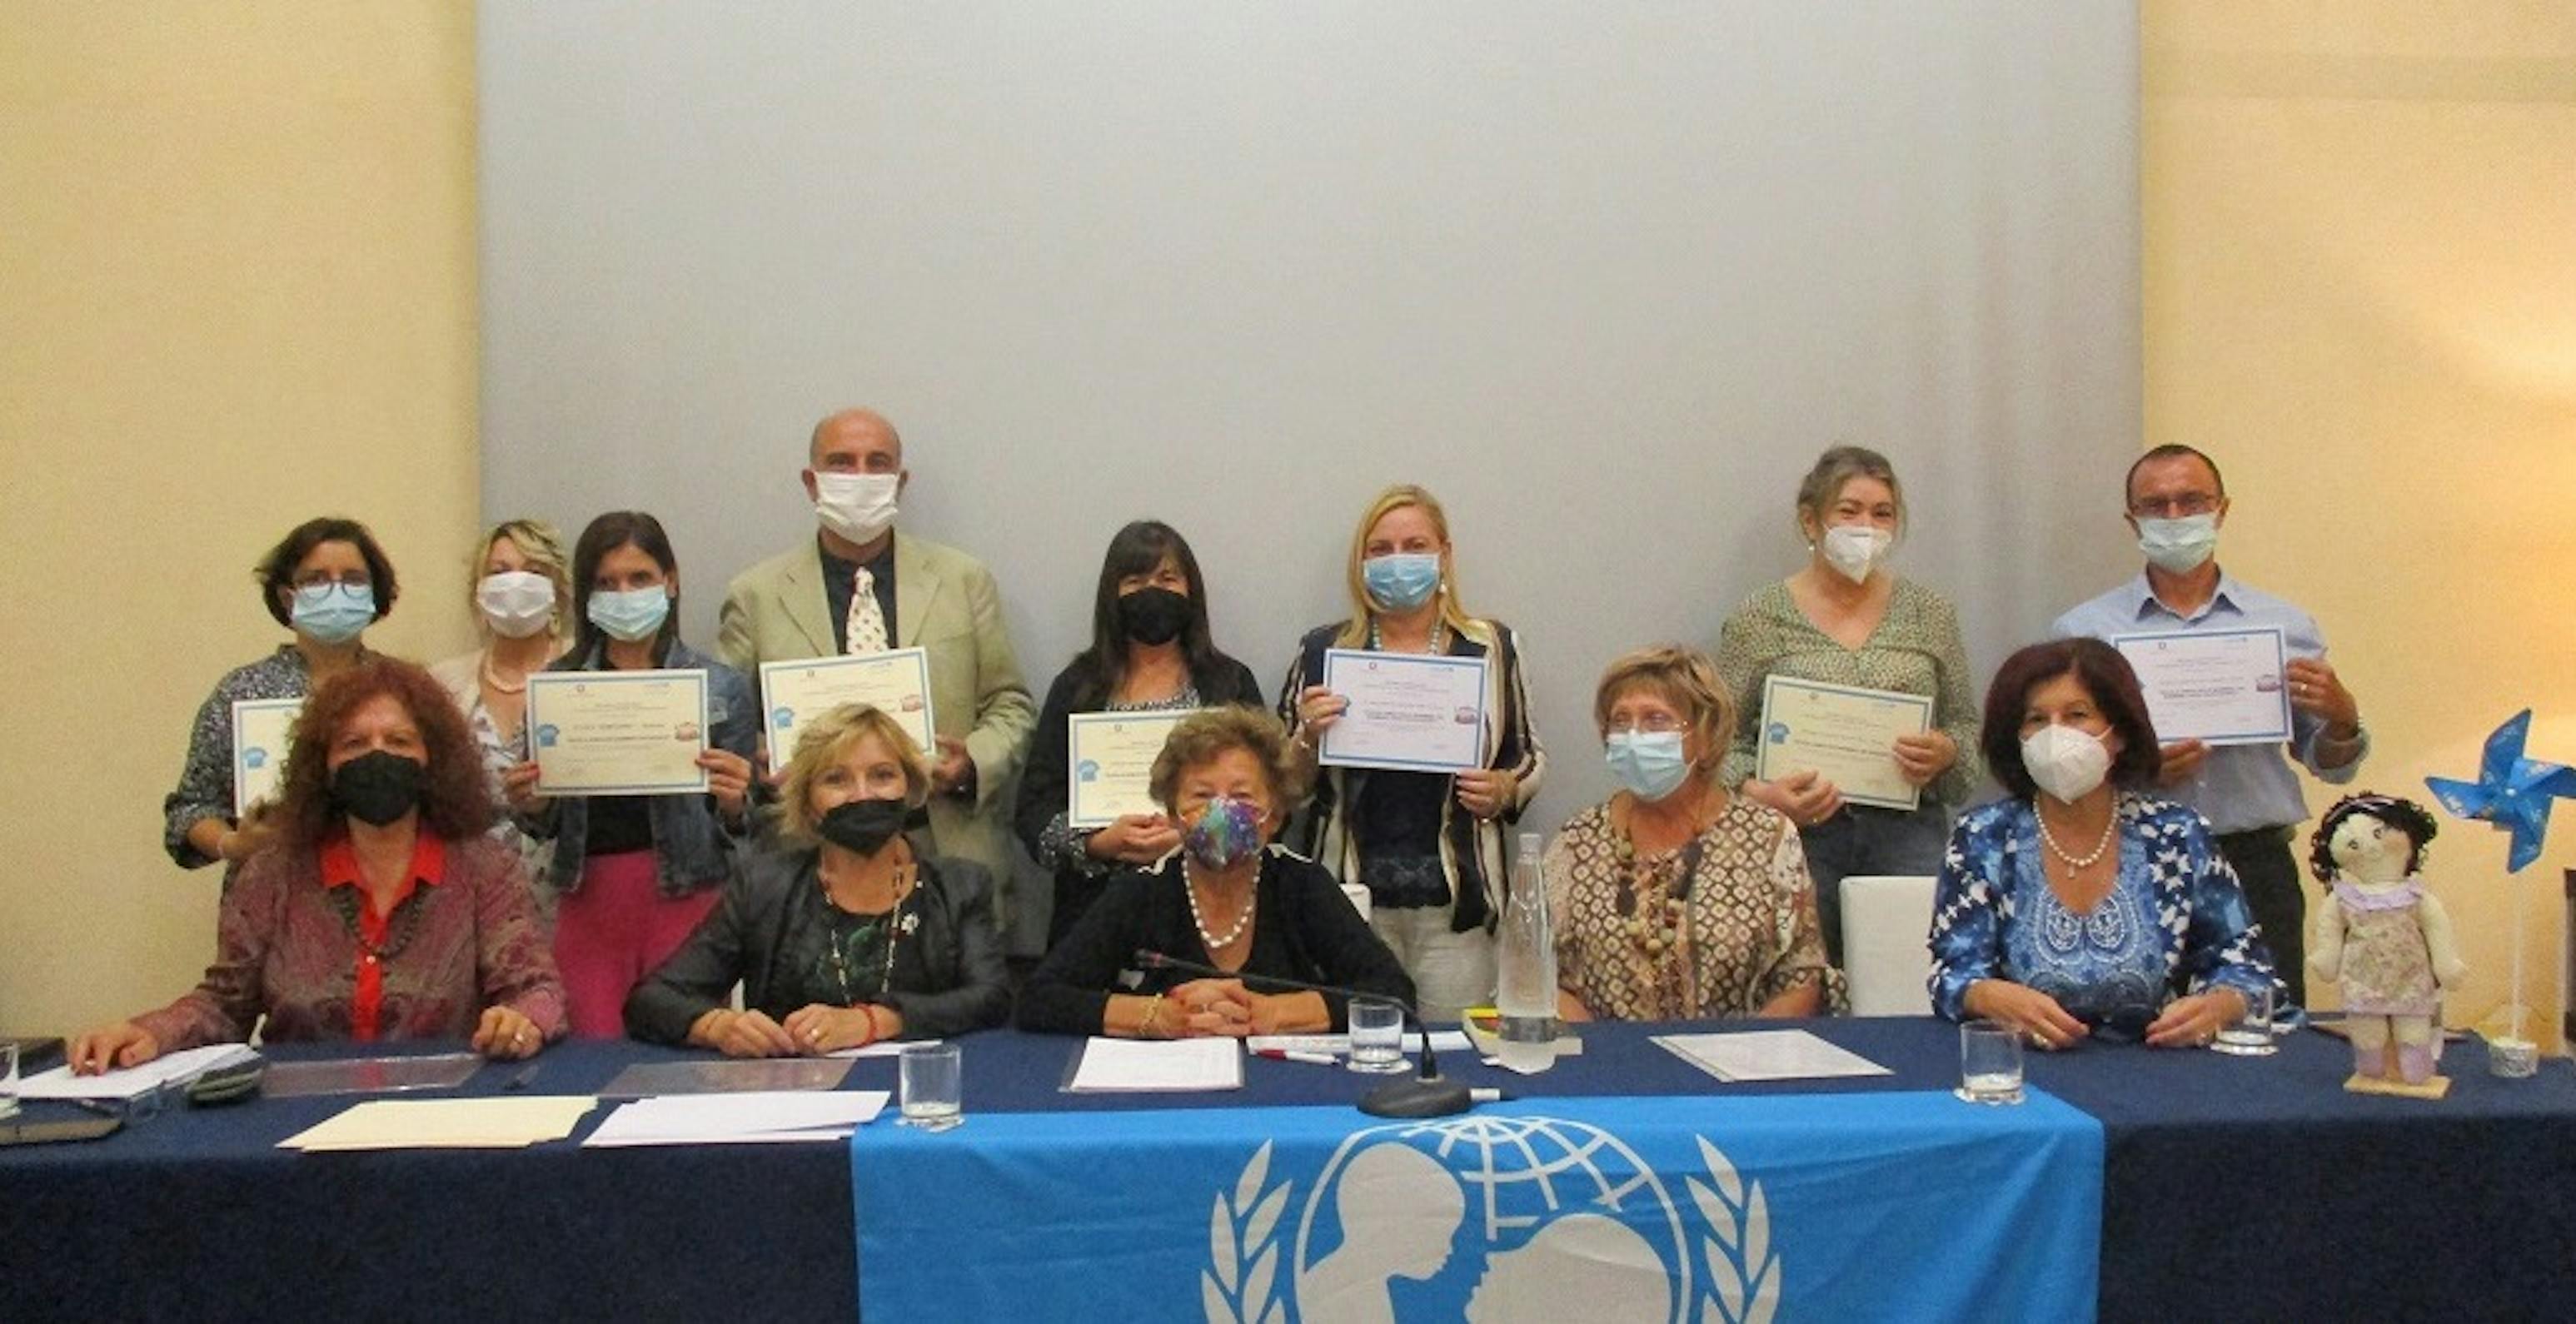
[618,732]
[2219,686]
[260,728]
[897,683]
[1844,734]
[1410,711]
[1112,757]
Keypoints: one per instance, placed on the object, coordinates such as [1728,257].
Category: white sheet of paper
[881,1048]
[1409,711]
[618,732]
[1109,758]
[1768,1055]
[896,682]
[711,1119]
[1845,734]
[1442,1041]
[495,1123]
[260,730]
[184,1065]
[2221,687]
[1159,1064]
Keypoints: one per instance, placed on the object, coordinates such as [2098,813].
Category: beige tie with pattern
[865,627]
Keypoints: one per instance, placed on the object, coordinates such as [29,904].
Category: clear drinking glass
[1377,1036]
[931,1078]
[2249,1035]
[1989,1062]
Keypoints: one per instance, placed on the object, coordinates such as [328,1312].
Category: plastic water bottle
[1525,962]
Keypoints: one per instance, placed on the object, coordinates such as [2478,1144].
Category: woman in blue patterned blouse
[2077,906]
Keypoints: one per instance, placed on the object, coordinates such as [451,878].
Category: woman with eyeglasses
[327,581]
[1677,900]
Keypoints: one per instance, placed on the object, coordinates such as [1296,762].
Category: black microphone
[1426,1095]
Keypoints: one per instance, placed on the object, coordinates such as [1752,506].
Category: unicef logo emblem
[1503,1219]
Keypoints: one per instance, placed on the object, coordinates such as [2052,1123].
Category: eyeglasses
[2184,506]
[325,579]
[1653,724]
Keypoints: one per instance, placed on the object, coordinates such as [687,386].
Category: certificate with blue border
[896,682]
[260,731]
[2219,687]
[618,732]
[1842,733]
[1409,711]
[1110,759]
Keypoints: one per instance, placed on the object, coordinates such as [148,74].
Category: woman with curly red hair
[376,907]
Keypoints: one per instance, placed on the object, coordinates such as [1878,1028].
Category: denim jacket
[692,848]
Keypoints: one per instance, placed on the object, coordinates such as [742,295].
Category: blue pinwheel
[2512,793]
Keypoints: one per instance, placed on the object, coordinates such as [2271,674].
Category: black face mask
[1153,616]
[864,826]
[377,787]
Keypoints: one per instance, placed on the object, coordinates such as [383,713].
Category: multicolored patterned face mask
[1226,832]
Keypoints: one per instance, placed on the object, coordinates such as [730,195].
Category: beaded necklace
[843,952]
[1215,944]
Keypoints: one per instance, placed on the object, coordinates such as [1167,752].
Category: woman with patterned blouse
[846,934]
[1427,845]
[1844,619]
[1150,652]
[372,906]
[1676,900]
[326,580]
[522,584]
[2079,907]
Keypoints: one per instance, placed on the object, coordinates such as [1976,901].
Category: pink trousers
[614,930]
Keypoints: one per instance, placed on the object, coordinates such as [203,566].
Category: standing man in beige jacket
[859,586]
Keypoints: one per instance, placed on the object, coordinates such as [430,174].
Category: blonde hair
[827,740]
[1203,736]
[1824,483]
[1682,677]
[544,550]
[1355,576]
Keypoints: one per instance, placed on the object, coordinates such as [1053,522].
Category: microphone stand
[1426,1094]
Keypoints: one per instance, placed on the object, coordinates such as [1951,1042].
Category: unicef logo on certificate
[1491,1219]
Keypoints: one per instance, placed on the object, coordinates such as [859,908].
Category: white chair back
[1886,920]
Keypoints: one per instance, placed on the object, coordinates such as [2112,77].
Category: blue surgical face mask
[333,613]
[2179,546]
[1402,581]
[1649,763]
[630,614]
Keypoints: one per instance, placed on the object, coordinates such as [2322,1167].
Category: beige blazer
[945,604]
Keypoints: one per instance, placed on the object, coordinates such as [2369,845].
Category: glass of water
[2249,1035]
[1377,1036]
[1989,1062]
[932,1083]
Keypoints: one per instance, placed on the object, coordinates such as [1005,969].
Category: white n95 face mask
[856,506]
[1851,549]
[516,603]
[2179,546]
[2067,763]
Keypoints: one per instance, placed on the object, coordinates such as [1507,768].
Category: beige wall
[237,287]
[2361,297]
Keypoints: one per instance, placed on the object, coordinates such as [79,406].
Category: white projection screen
[1604,277]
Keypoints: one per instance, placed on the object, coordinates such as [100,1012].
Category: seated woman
[2078,906]
[1677,900]
[845,935]
[379,908]
[1150,652]
[1228,899]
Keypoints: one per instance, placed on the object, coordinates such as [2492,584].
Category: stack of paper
[176,1068]
[1146,1064]
[724,1119]
[502,1123]
[1768,1055]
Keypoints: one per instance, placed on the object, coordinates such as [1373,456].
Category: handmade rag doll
[2382,934]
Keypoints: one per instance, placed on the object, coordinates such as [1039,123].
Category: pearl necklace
[493,678]
[1214,943]
[2109,828]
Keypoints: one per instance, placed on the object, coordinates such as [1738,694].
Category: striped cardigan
[1471,849]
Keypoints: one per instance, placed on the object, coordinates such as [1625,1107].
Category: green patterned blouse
[1914,650]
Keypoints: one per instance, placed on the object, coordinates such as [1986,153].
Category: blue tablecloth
[2247,1188]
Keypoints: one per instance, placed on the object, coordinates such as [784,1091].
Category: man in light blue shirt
[2176,504]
